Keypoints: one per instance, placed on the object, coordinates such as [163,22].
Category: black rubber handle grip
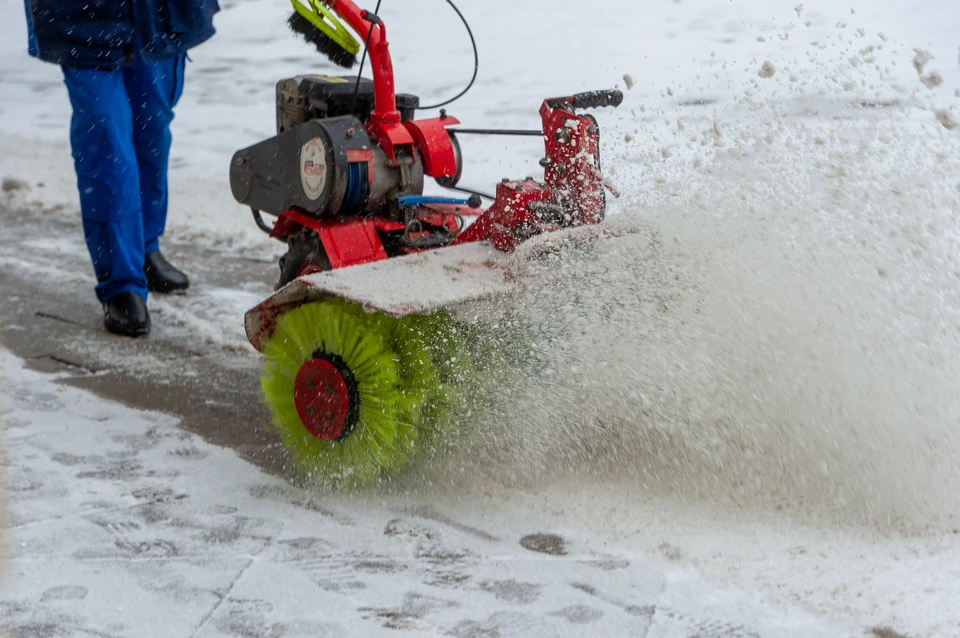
[597,99]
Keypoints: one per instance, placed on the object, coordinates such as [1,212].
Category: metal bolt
[311,410]
[529,178]
[328,416]
[546,162]
[505,180]
[351,132]
[311,384]
[443,113]
[328,389]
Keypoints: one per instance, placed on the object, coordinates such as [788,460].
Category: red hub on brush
[322,397]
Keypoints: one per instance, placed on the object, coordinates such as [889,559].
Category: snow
[121,524]
[765,396]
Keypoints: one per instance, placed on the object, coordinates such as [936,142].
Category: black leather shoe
[162,276]
[126,314]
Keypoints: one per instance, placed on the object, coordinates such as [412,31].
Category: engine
[322,160]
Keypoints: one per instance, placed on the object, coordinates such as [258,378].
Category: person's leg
[101,135]
[154,90]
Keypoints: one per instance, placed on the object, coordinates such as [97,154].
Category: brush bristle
[325,45]
[417,376]
[385,434]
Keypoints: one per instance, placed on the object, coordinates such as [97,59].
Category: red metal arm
[377,49]
[385,118]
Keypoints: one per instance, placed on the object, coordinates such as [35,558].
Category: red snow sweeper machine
[366,364]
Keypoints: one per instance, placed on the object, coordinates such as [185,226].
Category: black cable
[498,131]
[363,58]
[467,190]
[476,64]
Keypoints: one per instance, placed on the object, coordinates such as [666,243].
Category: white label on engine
[313,167]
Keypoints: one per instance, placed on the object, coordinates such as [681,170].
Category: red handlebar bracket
[572,161]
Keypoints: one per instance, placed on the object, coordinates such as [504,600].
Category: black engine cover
[305,167]
[309,97]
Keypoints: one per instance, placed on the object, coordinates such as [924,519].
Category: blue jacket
[108,33]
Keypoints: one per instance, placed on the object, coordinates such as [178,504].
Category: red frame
[348,241]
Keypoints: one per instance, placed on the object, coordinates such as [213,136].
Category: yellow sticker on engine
[327,78]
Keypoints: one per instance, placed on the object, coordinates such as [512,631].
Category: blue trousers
[120,137]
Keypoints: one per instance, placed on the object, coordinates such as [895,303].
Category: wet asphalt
[51,319]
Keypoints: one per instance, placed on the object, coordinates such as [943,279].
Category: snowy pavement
[121,524]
